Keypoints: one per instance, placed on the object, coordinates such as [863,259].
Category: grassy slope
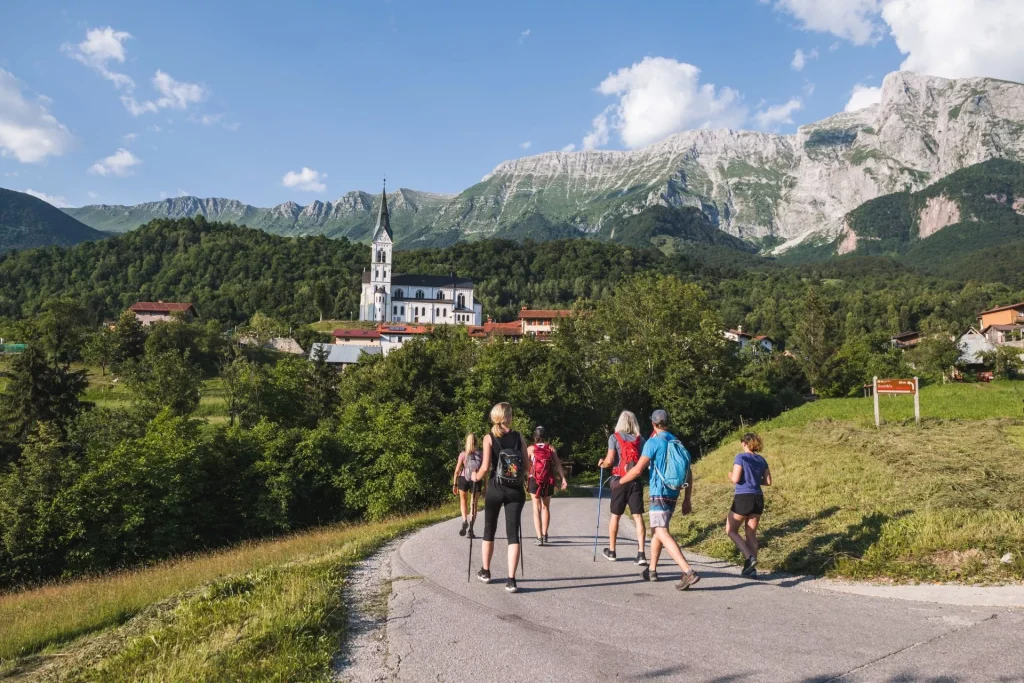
[262,611]
[935,502]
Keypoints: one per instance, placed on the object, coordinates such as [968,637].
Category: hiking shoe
[641,559]
[484,575]
[511,586]
[689,579]
[469,532]
[609,555]
[648,575]
[465,525]
[750,567]
[539,541]
[545,538]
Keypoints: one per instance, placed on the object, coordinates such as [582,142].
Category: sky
[121,102]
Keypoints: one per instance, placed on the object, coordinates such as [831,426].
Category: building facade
[149,312]
[389,297]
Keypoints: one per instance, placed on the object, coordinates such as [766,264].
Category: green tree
[38,391]
[129,339]
[166,380]
[101,348]
[813,341]
[935,356]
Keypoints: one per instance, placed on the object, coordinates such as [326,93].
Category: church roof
[402,280]
[382,231]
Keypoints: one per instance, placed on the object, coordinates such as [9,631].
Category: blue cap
[660,418]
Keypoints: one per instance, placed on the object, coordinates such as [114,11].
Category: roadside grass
[939,502]
[259,611]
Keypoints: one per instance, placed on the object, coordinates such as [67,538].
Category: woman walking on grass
[544,463]
[749,473]
[468,463]
[504,458]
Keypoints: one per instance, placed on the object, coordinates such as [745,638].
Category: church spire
[383,219]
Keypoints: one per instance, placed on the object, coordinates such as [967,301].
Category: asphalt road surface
[579,620]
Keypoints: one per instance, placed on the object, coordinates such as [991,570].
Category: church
[389,297]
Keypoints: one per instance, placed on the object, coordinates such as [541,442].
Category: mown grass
[106,393]
[260,611]
[331,325]
[940,501]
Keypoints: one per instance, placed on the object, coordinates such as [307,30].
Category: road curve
[579,620]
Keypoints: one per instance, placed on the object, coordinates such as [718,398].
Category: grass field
[940,501]
[331,325]
[260,611]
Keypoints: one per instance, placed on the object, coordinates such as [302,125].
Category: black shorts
[542,491]
[748,504]
[631,494]
[465,484]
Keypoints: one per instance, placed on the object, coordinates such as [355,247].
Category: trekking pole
[522,559]
[471,534]
[597,529]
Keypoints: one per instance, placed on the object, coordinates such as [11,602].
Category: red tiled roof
[358,333]
[1002,308]
[740,334]
[160,307]
[530,313]
[490,329]
[399,328]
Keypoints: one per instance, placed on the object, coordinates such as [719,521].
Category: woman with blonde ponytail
[505,460]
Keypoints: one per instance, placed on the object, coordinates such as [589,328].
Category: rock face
[756,185]
[938,213]
[350,216]
[751,185]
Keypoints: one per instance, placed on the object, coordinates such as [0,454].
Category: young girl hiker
[469,462]
[749,472]
[505,459]
[624,448]
[544,463]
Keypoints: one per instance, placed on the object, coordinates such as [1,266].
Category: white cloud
[777,115]
[834,46]
[101,46]
[863,96]
[800,58]
[92,195]
[55,200]
[306,180]
[128,138]
[120,163]
[524,35]
[658,97]
[569,148]
[525,145]
[854,20]
[137,108]
[176,94]
[183,193]
[28,131]
[809,88]
[948,38]
[163,194]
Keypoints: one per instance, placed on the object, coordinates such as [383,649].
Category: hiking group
[511,463]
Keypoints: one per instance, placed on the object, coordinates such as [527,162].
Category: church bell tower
[380,265]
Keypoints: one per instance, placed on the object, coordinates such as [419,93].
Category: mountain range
[27,222]
[770,190]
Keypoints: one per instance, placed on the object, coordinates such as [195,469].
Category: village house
[1003,326]
[343,355]
[905,340]
[738,336]
[539,323]
[490,329]
[357,337]
[149,312]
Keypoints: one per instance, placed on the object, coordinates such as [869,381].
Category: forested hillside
[27,222]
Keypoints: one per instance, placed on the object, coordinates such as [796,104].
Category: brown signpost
[897,386]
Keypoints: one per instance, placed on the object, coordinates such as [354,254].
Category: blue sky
[123,102]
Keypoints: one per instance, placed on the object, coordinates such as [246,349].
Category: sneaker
[511,586]
[545,538]
[750,567]
[539,541]
[688,579]
[641,559]
[470,533]
[484,575]
[609,555]
[648,575]
[465,525]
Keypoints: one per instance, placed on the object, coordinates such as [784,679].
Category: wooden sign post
[897,386]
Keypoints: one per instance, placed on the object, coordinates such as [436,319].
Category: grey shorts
[662,510]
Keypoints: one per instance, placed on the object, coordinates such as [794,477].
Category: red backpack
[629,453]
[543,459]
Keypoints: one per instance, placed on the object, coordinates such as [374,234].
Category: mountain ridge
[27,222]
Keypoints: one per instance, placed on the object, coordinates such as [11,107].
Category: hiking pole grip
[597,528]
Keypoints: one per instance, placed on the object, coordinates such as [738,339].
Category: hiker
[504,458]
[544,462]
[670,472]
[624,447]
[468,463]
[749,473]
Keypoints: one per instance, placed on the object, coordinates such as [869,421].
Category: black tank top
[509,440]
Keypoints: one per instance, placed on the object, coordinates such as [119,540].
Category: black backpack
[508,468]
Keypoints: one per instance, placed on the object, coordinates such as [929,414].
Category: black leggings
[513,498]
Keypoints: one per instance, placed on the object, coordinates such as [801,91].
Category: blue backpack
[677,465]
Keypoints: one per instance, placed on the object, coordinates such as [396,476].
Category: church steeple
[383,227]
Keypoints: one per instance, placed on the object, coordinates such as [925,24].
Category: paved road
[577,620]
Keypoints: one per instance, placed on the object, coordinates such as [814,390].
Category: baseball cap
[659,417]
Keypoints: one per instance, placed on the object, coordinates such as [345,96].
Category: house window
[440,295]
[395,311]
[399,294]
[419,294]
[403,310]
[380,256]
[376,274]
[460,301]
